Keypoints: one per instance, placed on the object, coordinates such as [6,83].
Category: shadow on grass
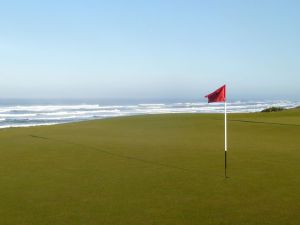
[111,153]
[261,122]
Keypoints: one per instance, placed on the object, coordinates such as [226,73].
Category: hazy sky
[149,49]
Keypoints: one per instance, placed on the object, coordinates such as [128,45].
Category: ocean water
[26,113]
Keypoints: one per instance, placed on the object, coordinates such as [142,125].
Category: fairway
[153,170]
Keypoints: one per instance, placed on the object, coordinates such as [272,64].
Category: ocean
[24,113]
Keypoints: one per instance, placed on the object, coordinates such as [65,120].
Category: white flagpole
[225,118]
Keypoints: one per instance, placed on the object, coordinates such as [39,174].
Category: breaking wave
[36,115]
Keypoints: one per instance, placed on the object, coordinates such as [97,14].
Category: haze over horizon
[149,50]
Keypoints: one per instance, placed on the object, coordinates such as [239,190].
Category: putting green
[159,169]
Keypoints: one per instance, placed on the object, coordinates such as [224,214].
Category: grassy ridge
[160,169]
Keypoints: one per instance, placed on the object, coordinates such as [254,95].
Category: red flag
[218,95]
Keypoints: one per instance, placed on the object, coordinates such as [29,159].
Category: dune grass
[273,109]
[160,169]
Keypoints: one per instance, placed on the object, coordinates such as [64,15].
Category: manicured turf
[160,169]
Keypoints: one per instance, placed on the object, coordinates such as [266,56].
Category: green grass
[146,170]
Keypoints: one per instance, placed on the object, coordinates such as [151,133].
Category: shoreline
[47,115]
[140,115]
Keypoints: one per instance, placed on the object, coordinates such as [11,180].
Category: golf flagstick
[220,96]
[225,118]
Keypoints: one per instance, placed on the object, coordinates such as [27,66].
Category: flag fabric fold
[218,95]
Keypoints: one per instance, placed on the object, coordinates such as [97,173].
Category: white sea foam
[47,108]
[37,115]
[7,115]
[26,125]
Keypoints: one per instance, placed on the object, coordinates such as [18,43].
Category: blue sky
[149,49]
